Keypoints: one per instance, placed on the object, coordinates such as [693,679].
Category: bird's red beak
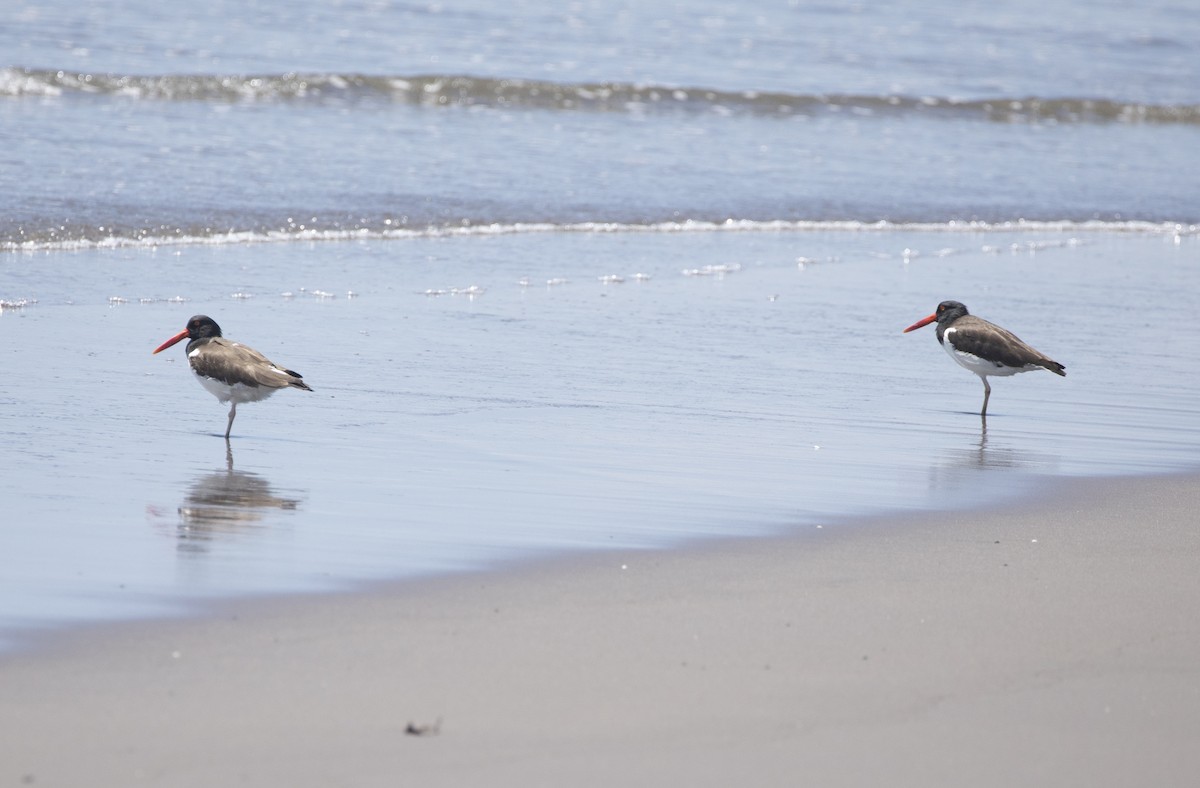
[922,322]
[181,335]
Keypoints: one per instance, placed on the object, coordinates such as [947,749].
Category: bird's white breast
[237,392]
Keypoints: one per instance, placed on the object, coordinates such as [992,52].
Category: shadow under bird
[983,347]
[231,371]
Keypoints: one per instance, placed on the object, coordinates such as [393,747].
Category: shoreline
[1047,641]
[57,636]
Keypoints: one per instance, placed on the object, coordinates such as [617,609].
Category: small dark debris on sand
[424,730]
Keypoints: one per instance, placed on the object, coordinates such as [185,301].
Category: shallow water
[745,383]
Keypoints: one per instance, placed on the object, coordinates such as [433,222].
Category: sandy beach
[1051,643]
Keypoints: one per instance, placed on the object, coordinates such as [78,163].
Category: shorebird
[983,347]
[231,371]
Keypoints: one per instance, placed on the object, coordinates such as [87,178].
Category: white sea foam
[1175,229]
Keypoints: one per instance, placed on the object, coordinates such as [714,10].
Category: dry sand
[1055,643]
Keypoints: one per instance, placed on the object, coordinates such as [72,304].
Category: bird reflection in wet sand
[961,466]
[227,502]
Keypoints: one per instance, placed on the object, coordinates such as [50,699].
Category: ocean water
[568,276]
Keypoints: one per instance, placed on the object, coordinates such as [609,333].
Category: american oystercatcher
[230,371]
[982,347]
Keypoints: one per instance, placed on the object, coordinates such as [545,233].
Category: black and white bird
[231,371]
[984,348]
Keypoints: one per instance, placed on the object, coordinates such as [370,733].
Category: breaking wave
[453,90]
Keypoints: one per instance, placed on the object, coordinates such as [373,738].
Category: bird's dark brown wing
[987,340]
[231,363]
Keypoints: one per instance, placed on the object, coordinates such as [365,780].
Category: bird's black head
[949,311]
[202,327]
[199,328]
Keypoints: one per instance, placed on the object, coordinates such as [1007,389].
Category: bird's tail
[298,380]
[1053,366]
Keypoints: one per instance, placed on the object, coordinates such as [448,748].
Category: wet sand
[457,432]
[1051,643]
